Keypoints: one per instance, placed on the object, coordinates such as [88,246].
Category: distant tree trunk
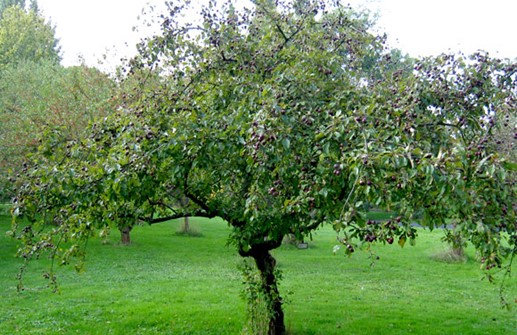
[266,264]
[186,225]
[457,248]
[457,245]
[125,237]
[184,201]
[458,252]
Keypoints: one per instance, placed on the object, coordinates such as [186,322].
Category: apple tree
[272,119]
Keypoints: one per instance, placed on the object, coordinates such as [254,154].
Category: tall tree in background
[271,119]
[25,36]
[35,90]
[32,5]
[35,96]
[4,4]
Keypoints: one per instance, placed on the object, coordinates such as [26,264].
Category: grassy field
[169,284]
[4,209]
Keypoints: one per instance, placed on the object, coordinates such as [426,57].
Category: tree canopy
[275,119]
[35,91]
[25,36]
[31,5]
[35,96]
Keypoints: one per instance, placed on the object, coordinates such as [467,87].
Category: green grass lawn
[169,284]
[4,209]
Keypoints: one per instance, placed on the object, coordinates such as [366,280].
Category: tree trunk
[458,253]
[457,245]
[457,250]
[266,265]
[186,225]
[125,237]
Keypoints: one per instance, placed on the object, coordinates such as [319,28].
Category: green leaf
[510,166]
[286,143]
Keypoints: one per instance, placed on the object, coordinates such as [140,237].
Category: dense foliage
[29,57]
[36,96]
[275,120]
[25,36]
[31,5]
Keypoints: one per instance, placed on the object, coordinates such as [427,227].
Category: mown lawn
[170,284]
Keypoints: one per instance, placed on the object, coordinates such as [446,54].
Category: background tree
[269,119]
[25,36]
[4,4]
[35,96]
[35,91]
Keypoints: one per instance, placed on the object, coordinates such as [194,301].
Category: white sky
[427,27]
[93,28]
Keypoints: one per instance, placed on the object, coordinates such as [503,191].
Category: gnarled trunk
[266,264]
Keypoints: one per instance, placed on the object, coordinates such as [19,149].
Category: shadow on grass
[450,256]
[189,233]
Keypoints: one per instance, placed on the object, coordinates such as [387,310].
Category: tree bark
[266,265]
[458,253]
[125,237]
[186,225]
[457,249]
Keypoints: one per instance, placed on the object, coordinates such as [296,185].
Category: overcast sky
[93,28]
